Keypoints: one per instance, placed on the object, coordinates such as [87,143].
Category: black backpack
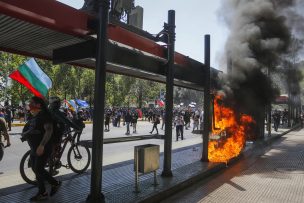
[58,130]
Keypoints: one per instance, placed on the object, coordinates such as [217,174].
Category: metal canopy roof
[35,29]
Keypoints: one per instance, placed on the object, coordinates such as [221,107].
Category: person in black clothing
[118,117]
[134,121]
[187,119]
[150,115]
[128,119]
[156,121]
[163,119]
[107,121]
[8,116]
[61,124]
[38,132]
[276,120]
[60,116]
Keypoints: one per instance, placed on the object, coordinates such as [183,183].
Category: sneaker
[40,196]
[55,188]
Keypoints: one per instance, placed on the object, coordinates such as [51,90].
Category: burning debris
[229,131]
[260,34]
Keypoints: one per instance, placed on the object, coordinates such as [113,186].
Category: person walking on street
[38,132]
[3,131]
[8,115]
[187,119]
[163,119]
[107,121]
[195,122]
[156,121]
[276,120]
[202,120]
[134,121]
[118,115]
[128,119]
[179,124]
[3,128]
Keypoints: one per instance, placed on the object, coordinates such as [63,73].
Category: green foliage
[72,82]
[11,90]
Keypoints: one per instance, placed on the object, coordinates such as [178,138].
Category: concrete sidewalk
[276,176]
[118,179]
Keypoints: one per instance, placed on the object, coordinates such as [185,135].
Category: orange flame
[228,133]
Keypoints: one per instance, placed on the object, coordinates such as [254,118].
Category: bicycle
[76,153]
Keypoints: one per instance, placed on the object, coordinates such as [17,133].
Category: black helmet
[54,102]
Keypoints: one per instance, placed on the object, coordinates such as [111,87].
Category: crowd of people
[279,118]
[42,123]
[129,116]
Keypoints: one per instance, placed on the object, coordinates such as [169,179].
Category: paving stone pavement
[118,181]
[113,178]
[277,176]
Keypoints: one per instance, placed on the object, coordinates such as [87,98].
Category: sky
[194,19]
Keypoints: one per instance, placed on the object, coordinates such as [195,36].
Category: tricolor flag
[32,77]
[71,105]
[160,103]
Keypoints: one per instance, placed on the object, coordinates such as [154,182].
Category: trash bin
[146,160]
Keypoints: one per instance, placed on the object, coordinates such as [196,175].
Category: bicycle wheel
[79,158]
[26,171]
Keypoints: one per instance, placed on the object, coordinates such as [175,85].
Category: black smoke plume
[260,33]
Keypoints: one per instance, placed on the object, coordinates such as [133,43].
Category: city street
[113,153]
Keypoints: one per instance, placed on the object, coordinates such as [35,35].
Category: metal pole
[269,119]
[269,111]
[155,178]
[207,99]
[99,97]
[169,96]
[136,171]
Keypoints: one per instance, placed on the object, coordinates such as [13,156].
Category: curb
[85,122]
[23,124]
[161,195]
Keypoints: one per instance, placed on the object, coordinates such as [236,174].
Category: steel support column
[207,100]
[169,95]
[99,97]
[269,109]
[269,120]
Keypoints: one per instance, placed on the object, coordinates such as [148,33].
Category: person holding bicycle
[60,118]
[38,132]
